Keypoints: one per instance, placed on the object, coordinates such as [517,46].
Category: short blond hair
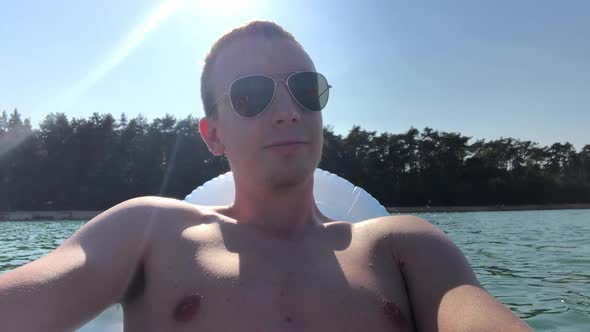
[266,29]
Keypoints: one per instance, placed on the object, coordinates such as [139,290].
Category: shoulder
[141,216]
[400,225]
[154,208]
[408,237]
[156,203]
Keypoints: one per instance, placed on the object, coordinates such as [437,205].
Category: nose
[284,109]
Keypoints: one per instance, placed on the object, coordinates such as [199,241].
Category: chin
[291,175]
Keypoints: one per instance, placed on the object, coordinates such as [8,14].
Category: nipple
[187,308]
[394,314]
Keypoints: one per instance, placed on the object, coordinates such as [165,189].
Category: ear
[209,133]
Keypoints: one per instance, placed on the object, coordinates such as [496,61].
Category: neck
[287,212]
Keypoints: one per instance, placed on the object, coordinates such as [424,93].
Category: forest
[96,162]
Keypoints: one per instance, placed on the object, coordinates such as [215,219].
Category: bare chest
[205,282]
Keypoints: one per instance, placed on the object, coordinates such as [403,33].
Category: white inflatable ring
[336,197]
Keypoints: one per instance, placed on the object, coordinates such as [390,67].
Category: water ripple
[535,262]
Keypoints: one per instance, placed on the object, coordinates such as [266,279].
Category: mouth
[286,143]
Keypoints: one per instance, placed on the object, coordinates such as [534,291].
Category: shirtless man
[269,262]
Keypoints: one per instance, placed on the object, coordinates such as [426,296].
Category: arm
[82,277]
[443,290]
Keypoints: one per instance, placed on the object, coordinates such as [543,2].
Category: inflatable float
[336,197]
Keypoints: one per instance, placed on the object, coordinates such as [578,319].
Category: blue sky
[486,69]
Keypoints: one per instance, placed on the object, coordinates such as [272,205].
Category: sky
[486,69]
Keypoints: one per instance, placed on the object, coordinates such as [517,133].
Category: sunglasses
[251,95]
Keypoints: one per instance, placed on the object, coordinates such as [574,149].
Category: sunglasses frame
[276,82]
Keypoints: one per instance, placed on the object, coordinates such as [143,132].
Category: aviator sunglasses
[251,95]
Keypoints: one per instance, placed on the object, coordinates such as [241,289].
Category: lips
[290,142]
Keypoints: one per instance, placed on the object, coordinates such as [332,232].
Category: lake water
[535,262]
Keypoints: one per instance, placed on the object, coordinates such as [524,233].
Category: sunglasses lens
[310,89]
[251,95]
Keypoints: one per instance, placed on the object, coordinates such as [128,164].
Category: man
[269,262]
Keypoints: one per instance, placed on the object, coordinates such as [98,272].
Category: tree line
[96,162]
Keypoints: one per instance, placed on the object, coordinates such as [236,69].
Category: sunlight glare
[127,45]
[225,7]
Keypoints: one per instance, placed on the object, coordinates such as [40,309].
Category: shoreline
[87,215]
[47,215]
[486,208]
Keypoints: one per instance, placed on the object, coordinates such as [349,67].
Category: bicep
[76,281]
[442,287]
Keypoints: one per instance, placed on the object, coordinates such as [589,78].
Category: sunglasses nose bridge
[284,87]
[284,108]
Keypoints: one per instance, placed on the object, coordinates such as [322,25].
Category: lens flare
[224,6]
[132,40]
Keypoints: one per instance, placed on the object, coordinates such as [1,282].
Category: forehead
[257,55]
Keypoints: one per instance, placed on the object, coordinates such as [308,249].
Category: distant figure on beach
[270,261]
